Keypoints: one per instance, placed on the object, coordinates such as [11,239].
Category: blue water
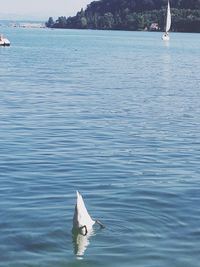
[115,115]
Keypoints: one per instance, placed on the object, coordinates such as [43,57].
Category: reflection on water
[166,43]
[81,241]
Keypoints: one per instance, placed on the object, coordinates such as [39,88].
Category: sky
[39,9]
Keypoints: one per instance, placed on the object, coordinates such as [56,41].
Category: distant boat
[4,41]
[165,36]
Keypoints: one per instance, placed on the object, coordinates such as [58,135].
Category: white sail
[168,21]
[165,36]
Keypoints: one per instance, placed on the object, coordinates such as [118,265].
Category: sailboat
[165,36]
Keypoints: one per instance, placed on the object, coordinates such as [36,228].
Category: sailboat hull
[4,42]
[165,37]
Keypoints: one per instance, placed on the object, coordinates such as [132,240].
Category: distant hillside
[133,15]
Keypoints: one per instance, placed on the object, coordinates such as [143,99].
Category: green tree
[50,22]
[83,22]
[133,15]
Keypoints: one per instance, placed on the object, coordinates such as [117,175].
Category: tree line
[133,15]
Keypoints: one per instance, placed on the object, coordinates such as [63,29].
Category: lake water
[115,115]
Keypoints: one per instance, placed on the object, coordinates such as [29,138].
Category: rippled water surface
[115,115]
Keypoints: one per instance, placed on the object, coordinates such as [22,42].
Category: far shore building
[154,27]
